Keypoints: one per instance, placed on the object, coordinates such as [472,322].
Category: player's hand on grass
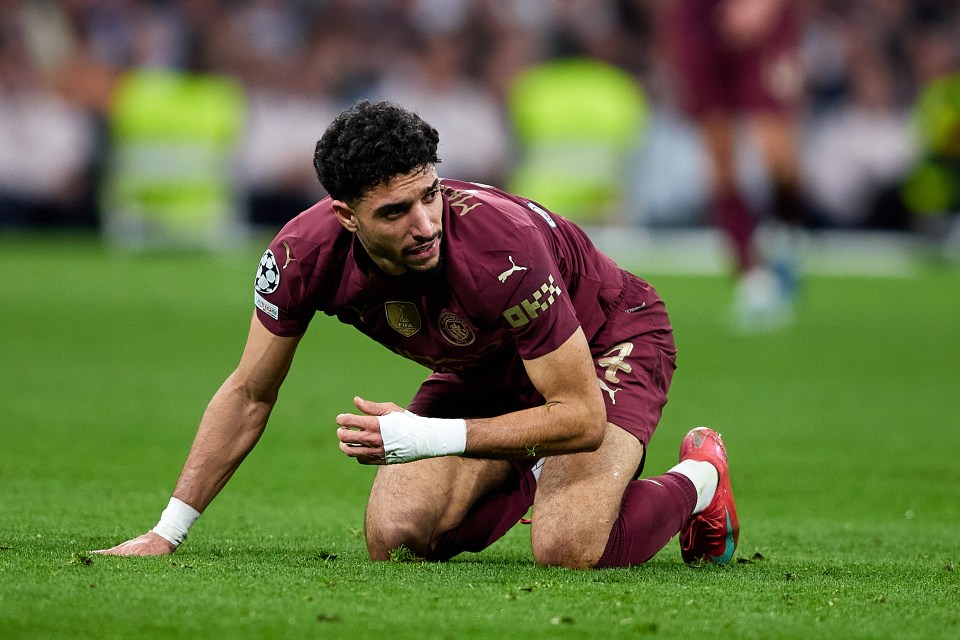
[149,544]
[360,435]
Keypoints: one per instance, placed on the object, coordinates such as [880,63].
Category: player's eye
[431,195]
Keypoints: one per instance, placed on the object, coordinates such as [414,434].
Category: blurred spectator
[300,61]
[931,190]
[576,120]
[290,84]
[174,125]
[934,184]
[435,82]
[859,148]
[46,144]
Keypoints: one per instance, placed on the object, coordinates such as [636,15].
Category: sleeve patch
[269,309]
[531,307]
[268,274]
[543,214]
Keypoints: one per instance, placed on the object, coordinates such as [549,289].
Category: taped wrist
[408,437]
[175,522]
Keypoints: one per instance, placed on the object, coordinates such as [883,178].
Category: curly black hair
[368,145]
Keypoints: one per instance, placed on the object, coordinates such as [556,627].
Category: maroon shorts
[713,75]
[634,356]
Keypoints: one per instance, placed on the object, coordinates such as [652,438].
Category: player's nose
[422,223]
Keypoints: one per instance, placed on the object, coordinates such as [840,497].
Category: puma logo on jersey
[506,274]
[290,257]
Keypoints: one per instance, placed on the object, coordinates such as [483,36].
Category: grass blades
[842,432]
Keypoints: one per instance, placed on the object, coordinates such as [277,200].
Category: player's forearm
[230,428]
[552,429]
[572,419]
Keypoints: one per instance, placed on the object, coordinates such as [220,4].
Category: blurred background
[196,119]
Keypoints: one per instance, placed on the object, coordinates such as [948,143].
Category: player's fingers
[360,423]
[131,548]
[363,453]
[145,545]
[375,408]
[359,437]
[122,549]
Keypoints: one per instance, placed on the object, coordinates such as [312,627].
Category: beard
[376,251]
[427,277]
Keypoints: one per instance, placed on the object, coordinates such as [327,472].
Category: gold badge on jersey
[403,317]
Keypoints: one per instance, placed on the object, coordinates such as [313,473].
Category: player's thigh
[413,503]
[578,499]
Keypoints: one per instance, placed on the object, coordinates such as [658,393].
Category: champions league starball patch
[268,274]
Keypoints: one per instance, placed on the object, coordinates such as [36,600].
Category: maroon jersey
[514,281]
[712,74]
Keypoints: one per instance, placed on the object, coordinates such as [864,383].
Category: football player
[550,368]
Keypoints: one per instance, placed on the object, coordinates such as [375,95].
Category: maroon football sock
[653,511]
[489,519]
[734,216]
[789,203]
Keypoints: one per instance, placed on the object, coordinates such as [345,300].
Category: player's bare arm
[231,426]
[571,420]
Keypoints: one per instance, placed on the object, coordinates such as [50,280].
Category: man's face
[399,223]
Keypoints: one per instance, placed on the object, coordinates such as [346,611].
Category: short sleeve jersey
[514,280]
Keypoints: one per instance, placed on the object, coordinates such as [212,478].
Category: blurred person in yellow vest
[170,179]
[931,191]
[576,120]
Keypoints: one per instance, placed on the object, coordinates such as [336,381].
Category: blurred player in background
[550,364]
[736,61]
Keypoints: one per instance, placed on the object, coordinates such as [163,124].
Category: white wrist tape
[175,522]
[408,437]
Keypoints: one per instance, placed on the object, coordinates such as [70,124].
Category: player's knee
[386,539]
[565,551]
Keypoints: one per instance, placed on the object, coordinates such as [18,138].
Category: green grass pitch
[842,431]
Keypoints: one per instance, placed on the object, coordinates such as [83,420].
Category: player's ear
[345,215]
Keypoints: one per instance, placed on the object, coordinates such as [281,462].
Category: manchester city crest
[455,330]
[403,317]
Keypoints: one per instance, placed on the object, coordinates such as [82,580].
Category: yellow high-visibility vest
[170,175]
[933,186]
[576,120]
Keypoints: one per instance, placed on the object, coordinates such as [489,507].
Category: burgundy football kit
[714,74]
[514,282]
[717,76]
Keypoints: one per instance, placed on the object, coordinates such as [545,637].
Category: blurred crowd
[296,63]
